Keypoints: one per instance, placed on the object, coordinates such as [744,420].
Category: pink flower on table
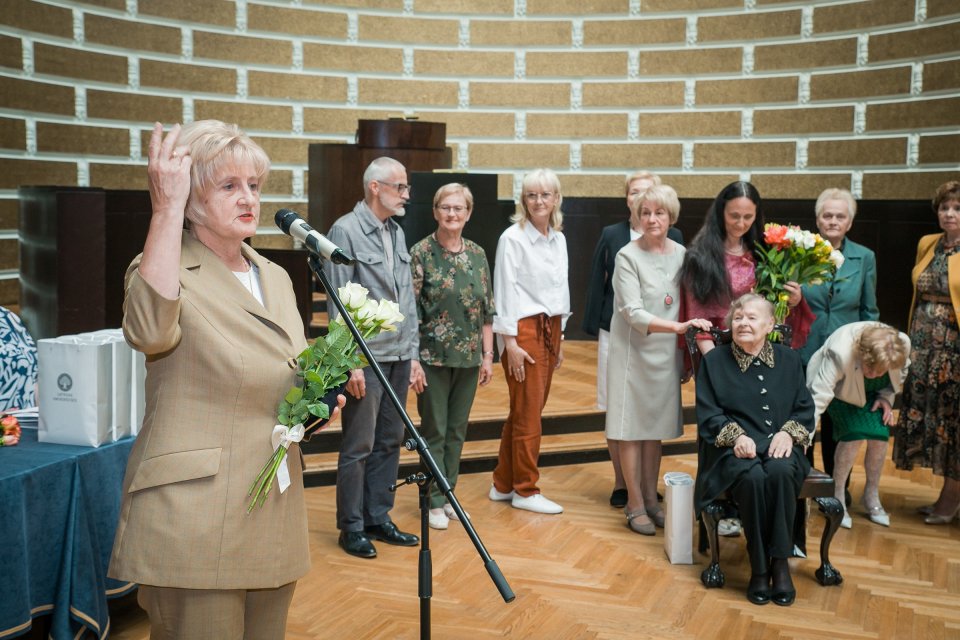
[11,430]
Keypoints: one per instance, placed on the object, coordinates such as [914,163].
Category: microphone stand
[415,442]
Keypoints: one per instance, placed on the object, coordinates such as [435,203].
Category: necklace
[660,254]
[739,251]
[458,251]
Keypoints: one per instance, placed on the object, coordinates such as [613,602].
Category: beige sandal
[658,517]
[645,529]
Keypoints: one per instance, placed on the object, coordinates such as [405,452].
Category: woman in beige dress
[645,364]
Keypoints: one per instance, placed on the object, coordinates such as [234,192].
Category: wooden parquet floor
[584,575]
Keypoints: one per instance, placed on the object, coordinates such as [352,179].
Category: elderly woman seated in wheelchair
[755,419]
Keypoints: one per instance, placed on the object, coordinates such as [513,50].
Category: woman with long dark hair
[720,264]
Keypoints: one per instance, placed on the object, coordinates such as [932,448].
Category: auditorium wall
[795,96]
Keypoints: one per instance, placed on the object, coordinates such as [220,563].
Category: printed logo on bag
[65,382]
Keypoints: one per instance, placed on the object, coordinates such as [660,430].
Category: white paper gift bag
[678,528]
[121,379]
[75,387]
[138,396]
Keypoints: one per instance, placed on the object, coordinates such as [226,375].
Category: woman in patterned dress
[451,284]
[929,425]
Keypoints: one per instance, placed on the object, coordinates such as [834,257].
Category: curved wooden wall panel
[796,96]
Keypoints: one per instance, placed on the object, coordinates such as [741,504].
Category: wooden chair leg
[800,527]
[702,538]
[832,510]
[712,577]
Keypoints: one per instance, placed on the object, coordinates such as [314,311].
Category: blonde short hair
[664,196]
[216,146]
[548,179]
[880,346]
[451,189]
[640,175]
[836,194]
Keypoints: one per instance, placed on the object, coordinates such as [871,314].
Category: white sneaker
[450,513]
[536,503]
[496,496]
[437,519]
[728,527]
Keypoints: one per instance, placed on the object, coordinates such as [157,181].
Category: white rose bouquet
[323,368]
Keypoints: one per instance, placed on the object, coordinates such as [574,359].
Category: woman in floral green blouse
[452,286]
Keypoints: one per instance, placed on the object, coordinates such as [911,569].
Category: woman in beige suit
[218,324]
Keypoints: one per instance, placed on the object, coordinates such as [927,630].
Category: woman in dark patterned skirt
[929,426]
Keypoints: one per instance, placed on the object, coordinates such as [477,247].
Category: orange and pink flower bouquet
[791,254]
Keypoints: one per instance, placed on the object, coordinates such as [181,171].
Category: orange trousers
[517,468]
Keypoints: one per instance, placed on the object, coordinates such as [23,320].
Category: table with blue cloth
[59,506]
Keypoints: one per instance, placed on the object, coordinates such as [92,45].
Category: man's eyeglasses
[546,196]
[446,208]
[399,186]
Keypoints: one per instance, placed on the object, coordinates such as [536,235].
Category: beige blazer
[925,250]
[216,369]
[834,370]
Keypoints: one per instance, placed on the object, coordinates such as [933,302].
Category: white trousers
[603,350]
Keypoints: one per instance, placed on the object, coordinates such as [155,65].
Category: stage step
[480,455]
[572,425]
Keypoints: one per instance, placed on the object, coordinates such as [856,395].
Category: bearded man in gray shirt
[372,429]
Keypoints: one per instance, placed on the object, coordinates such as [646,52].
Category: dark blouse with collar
[756,395]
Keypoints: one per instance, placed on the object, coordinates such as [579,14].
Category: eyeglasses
[457,209]
[399,186]
[546,196]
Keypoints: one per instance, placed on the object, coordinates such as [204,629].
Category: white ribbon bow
[282,437]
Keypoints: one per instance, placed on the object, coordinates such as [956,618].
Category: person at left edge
[217,323]
[372,427]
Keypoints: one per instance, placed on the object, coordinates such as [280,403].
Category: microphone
[293,225]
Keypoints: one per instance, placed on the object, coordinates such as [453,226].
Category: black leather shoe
[758,591]
[782,592]
[618,498]
[389,533]
[357,544]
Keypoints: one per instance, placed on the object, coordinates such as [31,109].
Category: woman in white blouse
[533,304]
